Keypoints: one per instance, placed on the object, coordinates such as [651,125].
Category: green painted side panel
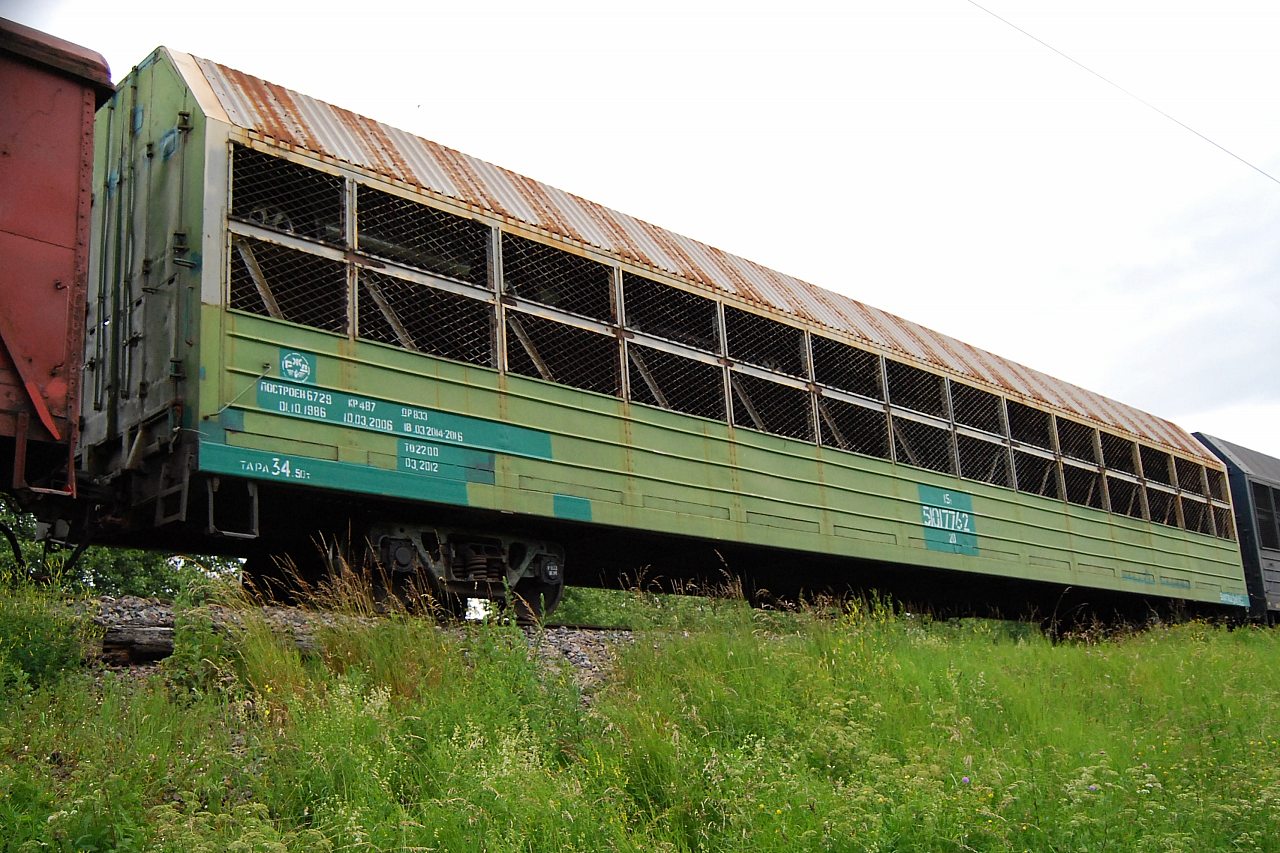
[367,413]
[530,447]
[305,470]
[459,463]
[575,509]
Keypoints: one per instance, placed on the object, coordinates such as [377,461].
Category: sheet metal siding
[46,124]
[304,122]
[1254,463]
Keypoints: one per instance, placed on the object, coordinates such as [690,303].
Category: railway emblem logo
[297,366]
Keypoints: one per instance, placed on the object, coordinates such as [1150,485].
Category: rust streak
[552,217]
[744,286]
[627,248]
[278,103]
[689,270]
[458,167]
[786,284]
[377,144]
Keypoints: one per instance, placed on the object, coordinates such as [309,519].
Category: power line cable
[1113,84]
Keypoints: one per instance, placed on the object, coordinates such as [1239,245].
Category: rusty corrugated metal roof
[302,122]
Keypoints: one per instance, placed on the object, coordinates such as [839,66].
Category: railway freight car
[1254,480]
[304,324]
[49,91]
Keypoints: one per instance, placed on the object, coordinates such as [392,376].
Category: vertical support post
[351,236]
[815,425]
[1011,460]
[1101,470]
[498,286]
[888,408]
[722,349]
[951,423]
[617,301]
[1057,455]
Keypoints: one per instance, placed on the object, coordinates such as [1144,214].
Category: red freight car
[49,91]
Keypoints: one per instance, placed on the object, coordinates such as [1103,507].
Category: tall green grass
[721,728]
[40,634]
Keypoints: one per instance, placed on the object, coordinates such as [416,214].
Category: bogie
[456,565]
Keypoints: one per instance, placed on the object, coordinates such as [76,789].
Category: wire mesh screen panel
[1224,525]
[1163,506]
[554,277]
[668,312]
[922,445]
[410,233]
[1196,515]
[983,460]
[1190,476]
[847,368]
[1157,466]
[1030,426]
[977,408]
[1118,453]
[853,428]
[1125,496]
[916,389]
[677,383]
[1083,485]
[1076,440]
[288,285]
[1036,475]
[1264,514]
[285,196]
[1217,484]
[765,343]
[545,349]
[423,319]
[771,407]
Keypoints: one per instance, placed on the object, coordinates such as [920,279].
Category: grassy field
[721,728]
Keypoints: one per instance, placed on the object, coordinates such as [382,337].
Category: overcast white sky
[918,155]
